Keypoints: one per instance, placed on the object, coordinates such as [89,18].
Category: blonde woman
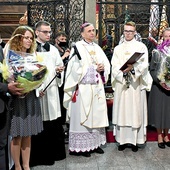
[25,112]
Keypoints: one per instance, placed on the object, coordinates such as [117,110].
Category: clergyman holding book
[130,105]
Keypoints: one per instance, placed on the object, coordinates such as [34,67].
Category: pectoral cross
[127,53]
[92,53]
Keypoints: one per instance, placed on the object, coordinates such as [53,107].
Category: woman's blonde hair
[16,41]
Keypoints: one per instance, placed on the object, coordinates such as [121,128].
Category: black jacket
[3,87]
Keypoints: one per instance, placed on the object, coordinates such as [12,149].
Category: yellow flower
[39,58]
[4,70]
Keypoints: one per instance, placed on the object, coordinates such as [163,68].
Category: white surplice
[88,115]
[50,102]
[130,106]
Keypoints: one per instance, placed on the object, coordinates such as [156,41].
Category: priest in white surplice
[130,107]
[84,95]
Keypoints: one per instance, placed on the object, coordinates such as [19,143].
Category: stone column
[90,11]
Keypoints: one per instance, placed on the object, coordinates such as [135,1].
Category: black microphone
[76,52]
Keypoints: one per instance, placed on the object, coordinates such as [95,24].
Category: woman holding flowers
[159,97]
[25,112]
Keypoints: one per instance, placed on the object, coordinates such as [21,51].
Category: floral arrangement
[163,47]
[25,68]
[163,54]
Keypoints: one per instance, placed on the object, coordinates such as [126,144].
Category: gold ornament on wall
[24,20]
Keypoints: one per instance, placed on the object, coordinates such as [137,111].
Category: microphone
[59,74]
[73,44]
[76,52]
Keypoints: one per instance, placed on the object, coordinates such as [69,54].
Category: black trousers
[3,141]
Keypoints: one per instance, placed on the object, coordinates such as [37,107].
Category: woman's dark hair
[61,33]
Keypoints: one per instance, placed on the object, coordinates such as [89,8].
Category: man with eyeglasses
[129,109]
[49,146]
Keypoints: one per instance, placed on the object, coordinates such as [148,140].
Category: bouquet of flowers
[24,68]
[163,56]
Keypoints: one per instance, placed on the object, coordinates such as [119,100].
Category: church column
[90,11]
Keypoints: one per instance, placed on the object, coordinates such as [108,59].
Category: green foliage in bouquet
[28,85]
[32,80]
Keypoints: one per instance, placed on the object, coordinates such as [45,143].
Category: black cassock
[48,146]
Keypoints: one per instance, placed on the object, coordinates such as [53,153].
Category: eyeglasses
[129,31]
[46,32]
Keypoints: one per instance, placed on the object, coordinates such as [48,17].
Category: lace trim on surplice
[86,141]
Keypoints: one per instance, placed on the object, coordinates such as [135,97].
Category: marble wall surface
[9,19]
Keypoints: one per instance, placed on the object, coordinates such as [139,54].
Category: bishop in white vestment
[84,95]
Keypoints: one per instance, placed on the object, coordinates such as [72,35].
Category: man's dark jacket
[3,87]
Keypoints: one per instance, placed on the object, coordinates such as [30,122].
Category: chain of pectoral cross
[92,54]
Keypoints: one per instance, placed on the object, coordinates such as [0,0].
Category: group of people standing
[34,115]
[35,122]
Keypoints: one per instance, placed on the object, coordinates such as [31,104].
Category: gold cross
[92,53]
[127,53]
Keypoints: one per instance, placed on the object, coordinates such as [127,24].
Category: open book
[135,57]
